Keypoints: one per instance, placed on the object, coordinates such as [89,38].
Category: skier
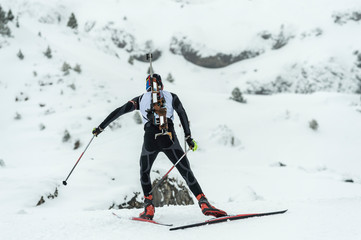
[160,136]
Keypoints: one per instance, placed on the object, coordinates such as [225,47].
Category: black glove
[191,143]
[97,131]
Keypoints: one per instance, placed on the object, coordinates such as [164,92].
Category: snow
[242,177]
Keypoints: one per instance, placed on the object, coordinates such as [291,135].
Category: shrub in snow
[225,136]
[66,136]
[358,60]
[278,164]
[170,192]
[344,17]
[131,60]
[76,144]
[72,22]
[349,180]
[4,29]
[137,118]
[237,96]
[359,84]
[77,68]
[2,163]
[47,53]
[281,40]
[312,33]
[170,78]
[20,55]
[10,16]
[65,68]
[72,86]
[17,116]
[122,39]
[41,127]
[49,196]
[41,201]
[134,202]
[313,124]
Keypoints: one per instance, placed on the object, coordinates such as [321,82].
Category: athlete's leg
[174,153]
[146,161]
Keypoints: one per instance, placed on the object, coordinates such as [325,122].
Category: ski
[227,218]
[145,220]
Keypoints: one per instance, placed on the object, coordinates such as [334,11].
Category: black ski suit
[152,146]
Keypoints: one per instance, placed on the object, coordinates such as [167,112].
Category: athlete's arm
[178,107]
[126,108]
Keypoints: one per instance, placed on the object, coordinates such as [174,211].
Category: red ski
[145,220]
[227,218]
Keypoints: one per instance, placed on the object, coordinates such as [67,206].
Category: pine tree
[4,29]
[313,124]
[20,55]
[47,53]
[72,23]
[10,16]
[131,60]
[170,78]
[65,68]
[77,68]
[3,18]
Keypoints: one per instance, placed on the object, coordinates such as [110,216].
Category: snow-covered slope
[252,157]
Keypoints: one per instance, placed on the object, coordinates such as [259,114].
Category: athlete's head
[149,81]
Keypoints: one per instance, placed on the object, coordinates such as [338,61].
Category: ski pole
[162,179]
[64,182]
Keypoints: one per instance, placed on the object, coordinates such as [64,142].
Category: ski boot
[148,212]
[207,208]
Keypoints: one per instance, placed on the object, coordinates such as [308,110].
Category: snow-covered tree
[170,78]
[131,60]
[4,29]
[3,18]
[65,68]
[20,55]
[47,53]
[77,68]
[72,23]
[313,124]
[66,136]
[10,16]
